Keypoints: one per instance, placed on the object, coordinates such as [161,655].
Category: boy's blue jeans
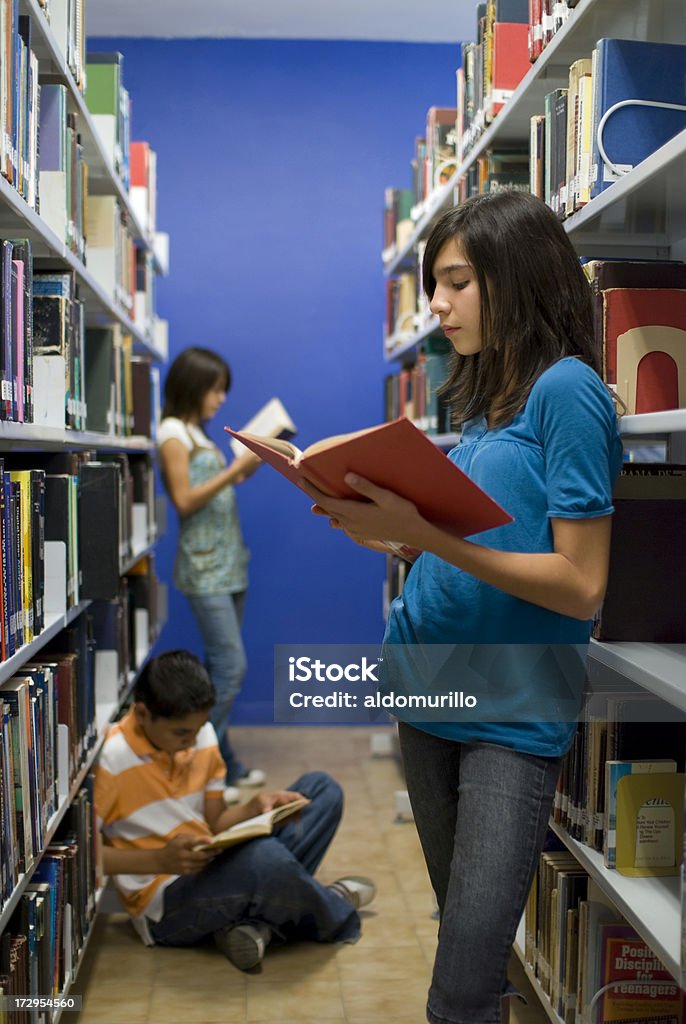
[219,618]
[481,811]
[267,880]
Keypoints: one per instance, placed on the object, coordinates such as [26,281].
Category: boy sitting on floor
[159,793]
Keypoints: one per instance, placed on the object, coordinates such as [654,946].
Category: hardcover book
[396,456]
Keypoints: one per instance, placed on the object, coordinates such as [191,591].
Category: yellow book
[650,823]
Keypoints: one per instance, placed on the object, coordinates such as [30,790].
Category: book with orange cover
[396,456]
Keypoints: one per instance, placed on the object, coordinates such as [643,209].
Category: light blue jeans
[219,618]
[481,811]
[267,880]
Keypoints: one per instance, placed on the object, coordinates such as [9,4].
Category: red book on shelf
[395,455]
[644,346]
[139,163]
[510,60]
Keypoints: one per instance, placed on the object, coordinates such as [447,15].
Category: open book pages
[294,453]
[251,828]
[271,421]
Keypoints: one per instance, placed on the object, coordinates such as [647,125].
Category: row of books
[46,934]
[433,165]
[591,964]
[53,370]
[412,391]
[68,525]
[627,740]
[67,22]
[496,170]
[492,67]
[546,17]
[584,142]
[19,107]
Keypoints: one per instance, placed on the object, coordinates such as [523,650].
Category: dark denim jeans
[267,880]
[219,618]
[481,811]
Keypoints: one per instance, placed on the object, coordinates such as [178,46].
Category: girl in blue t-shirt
[539,434]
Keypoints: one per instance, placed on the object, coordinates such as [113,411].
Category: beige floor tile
[284,1002]
[200,1001]
[384,1000]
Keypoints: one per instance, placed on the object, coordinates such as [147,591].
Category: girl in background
[211,557]
[539,435]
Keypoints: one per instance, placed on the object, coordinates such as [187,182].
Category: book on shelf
[650,823]
[614,771]
[396,456]
[637,985]
[272,420]
[253,828]
[645,549]
[640,103]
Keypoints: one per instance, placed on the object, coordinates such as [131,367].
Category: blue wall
[272,160]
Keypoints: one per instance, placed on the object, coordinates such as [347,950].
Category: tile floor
[382,979]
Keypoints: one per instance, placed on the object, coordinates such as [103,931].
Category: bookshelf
[641,216]
[108,687]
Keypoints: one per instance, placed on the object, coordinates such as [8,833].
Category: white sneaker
[244,945]
[255,777]
[355,889]
[232,795]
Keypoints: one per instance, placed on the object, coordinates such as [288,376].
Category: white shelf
[651,905]
[658,668]
[536,985]
[671,421]
[53,625]
[402,342]
[30,435]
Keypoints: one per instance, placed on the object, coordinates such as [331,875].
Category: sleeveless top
[211,556]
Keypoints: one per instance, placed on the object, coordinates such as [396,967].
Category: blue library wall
[272,161]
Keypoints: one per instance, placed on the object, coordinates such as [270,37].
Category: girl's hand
[383,515]
[244,466]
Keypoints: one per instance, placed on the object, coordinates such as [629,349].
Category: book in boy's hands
[252,828]
[272,420]
[396,456]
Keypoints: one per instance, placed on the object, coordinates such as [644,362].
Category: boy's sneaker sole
[243,945]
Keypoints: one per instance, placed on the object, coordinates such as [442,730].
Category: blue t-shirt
[558,458]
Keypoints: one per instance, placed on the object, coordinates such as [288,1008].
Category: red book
[644,346]
[396,456]
[535,36]
[641,989]
[139,160]
[510,60]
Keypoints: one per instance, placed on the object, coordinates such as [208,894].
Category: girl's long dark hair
[192,374]
[536,303]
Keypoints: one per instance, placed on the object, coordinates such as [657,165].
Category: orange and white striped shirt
[144,797]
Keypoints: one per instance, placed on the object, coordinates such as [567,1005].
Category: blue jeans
[219,618]
[481,812]
[267,880]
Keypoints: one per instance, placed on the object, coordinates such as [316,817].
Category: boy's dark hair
[173,685]
[193,373]
[536,303]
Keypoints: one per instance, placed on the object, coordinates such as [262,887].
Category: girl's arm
[175,462]
[570,580]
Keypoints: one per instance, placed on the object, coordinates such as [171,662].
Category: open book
[272,420]
[251,828]
[396,456]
